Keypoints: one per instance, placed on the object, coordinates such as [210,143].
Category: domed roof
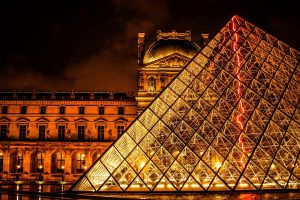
[163,48]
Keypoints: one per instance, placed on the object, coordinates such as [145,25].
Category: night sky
[91,45]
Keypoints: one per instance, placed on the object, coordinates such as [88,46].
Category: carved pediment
[121,119]
[4,120]
[174,60]
[81,120]
[23,120]
[61,120]
[100,120]
[42,120]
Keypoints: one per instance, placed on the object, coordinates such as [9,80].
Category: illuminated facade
[229,121]
[163,59]
[64,132]
[58,134]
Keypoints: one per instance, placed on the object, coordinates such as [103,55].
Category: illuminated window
[37,162]
[43,110]
[16,162]
[101,110]
[151,84]
[81,133]
[80,163]
[42,131]
[81,110]
[120,130]
[100,133]
[3,132]
[121,111]
[4,109]
[61,133]
[23,109]
[22,132]
[57,162]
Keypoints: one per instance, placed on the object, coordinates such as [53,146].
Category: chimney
[141,47]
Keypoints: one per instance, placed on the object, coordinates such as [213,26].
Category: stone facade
[58,135]
[61,134]
[162,60]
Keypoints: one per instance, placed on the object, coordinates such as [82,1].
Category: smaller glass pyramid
[230,120]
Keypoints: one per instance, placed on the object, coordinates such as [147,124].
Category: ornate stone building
[57,135]
[162,61]
[54,134]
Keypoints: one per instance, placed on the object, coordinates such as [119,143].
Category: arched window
[57,162]
[1,160]
[78,163]
[16,162]
[37,162]
[151,84]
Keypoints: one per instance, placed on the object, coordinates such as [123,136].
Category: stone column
[88,159]
[26,164]
[47,165]
[6,160]
[68,165]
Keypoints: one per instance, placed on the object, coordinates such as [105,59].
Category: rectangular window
[42,132]
[23,109]
[101,110]
[61,133]
[101,133]
[3,132]
[62,110]
[81,133]
[4,109]
[80,165]
[22,132]
[120,130]
[121,111]
[43,110]
[81,110]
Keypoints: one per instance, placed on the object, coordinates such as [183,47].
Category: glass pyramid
[230,120]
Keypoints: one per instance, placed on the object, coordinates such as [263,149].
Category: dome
[163,48]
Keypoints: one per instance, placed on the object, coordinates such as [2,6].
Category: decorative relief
[174,35]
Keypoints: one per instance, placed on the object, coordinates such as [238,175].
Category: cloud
[114,67]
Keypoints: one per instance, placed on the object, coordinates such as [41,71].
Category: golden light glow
[142,164]
[218,165]
[227,102]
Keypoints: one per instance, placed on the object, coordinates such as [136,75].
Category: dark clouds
[91,45]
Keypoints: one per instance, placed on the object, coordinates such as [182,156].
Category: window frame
[80,132]
[22,132]
[121,110]
[3,135]
[62,110]
[101,110]
[61,132]
[81,110]
[42,133]
[4,109]
[23,110]
[43,110]
[101,133]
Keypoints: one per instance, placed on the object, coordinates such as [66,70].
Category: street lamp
[84,168]
[62,173]
[41,169]
[18,172]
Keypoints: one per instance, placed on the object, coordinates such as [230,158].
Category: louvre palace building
[58,135]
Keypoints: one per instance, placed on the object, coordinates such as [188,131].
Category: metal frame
[228,121]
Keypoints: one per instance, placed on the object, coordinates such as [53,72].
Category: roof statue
[230,120]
